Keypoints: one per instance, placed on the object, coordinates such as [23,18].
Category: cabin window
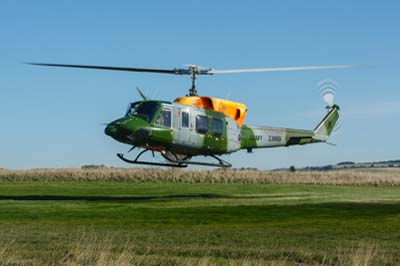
[185,119]
[165,118]
[217,126]
[201,124]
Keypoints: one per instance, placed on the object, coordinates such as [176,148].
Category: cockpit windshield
[144,110]
[131,108]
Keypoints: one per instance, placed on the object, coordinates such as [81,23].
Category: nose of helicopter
[118,130]
[127,130]
[111,130]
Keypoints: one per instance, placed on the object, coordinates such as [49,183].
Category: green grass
[222,222]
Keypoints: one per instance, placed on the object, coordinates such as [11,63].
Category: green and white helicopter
[203,126]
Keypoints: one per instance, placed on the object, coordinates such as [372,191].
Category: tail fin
[325,127]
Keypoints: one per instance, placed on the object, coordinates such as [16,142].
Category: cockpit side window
[165,117]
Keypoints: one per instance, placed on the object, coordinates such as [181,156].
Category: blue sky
[52,117]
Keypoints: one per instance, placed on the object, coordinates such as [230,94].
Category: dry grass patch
[91,249]
[375,178]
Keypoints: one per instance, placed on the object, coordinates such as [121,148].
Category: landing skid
[137,161]
[221,163]
[175,163]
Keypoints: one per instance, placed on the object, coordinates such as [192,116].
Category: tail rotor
[327,89]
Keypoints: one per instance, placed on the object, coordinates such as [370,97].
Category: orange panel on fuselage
[236,111]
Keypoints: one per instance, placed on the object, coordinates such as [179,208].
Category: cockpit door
[165,117]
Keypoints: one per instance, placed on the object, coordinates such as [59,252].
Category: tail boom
[268,137]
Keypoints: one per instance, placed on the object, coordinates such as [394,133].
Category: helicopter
[194,125]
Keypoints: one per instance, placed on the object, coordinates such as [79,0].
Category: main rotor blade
[129,69]
[195,69]
[276,69]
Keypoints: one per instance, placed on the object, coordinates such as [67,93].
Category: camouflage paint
[325,127]
[138,132]
[213,144]
[247,138]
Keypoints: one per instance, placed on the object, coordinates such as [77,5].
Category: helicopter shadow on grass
[140,198]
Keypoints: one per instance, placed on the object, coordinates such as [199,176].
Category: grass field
[114,221]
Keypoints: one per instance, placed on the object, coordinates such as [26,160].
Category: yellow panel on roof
[236,111]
